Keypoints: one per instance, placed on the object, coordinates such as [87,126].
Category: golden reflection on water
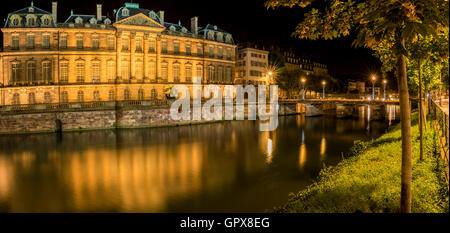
[323,148]
[302,156]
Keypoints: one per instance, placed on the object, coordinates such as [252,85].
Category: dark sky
[247,20]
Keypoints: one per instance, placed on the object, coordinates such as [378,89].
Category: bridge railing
[440,122]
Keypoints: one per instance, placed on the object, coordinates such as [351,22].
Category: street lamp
[384,84]
[373,87]
[303,85]
[323,89]
[270,77]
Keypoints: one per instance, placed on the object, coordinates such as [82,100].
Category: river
[220,167]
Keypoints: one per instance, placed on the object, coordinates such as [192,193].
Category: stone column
[118,60]
[146,46]
[158,57]
[132,57]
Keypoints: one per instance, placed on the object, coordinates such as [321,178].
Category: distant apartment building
[356,87]
[251,65]
[292,61]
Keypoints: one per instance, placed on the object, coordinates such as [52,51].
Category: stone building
[251,65]
[134,56]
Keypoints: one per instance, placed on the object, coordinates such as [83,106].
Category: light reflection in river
[222,167]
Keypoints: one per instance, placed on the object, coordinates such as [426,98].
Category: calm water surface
[222,167]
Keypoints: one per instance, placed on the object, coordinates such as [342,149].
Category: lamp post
[303,85]
[270,77]
[384,84]
[323,89]
[373,87]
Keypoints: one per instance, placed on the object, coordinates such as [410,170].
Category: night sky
[247,20]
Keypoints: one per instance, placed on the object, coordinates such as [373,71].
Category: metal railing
[440,122]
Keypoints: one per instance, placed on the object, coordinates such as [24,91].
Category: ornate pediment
[140,20]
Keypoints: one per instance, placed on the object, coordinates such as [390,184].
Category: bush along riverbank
[369,181]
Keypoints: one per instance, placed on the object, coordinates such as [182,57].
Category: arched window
[16,99]
[126,94]
[125,12]
[15,72]
[31,98]
[64,97]
[78,20]
[111,95]
[210,35]
[96,95]
[154,94]
[47,97]
[141,94]
[80,96]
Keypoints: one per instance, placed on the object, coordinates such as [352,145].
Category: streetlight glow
[323,89]
[373,87]
[303,80]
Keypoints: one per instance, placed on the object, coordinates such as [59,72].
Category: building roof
[19,18]
[84,19]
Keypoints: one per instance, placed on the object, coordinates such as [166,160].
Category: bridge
[343,107]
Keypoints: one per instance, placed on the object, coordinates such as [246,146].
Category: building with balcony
[135,55]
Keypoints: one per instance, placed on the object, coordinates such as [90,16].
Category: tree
[289,80]
[376,22]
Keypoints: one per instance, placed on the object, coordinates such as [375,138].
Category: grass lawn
[369,181]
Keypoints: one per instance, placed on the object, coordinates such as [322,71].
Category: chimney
[55,10]
[161,17]
[99,12]
[194,25]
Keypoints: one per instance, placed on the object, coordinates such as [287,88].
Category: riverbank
[369,181]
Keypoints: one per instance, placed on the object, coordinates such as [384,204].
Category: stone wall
[102,119]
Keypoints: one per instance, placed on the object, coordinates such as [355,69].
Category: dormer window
[220,36]
[78,20]
[228,38]
[184,30]
[93,21]
[211,35]
[152,14]
[107,21]
[172,28]
[31,20]
[30,9]
[125,12]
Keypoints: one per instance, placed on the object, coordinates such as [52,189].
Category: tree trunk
[421,110]
[405,122]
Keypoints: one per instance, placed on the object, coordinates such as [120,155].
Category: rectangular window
[152,70]
[125,44]
[79,41]
[95,42]
[111,71]
[64,70]
[176,73]
[96,72]
[188,73]
[31,72]
[63,41]
[30,41]
[46,71]
[229,54]
[164,72]
[188,49]
[199,72]
[138,44]
[15,42]
[220,52]
[139,69]
[111,42]
[151,45]
[164,46]
[15,72]
[46,41]
[199,50]
[125,70]
[80,72]
[176,47]
[211,51]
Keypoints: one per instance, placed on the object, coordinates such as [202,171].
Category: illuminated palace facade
[86,58]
